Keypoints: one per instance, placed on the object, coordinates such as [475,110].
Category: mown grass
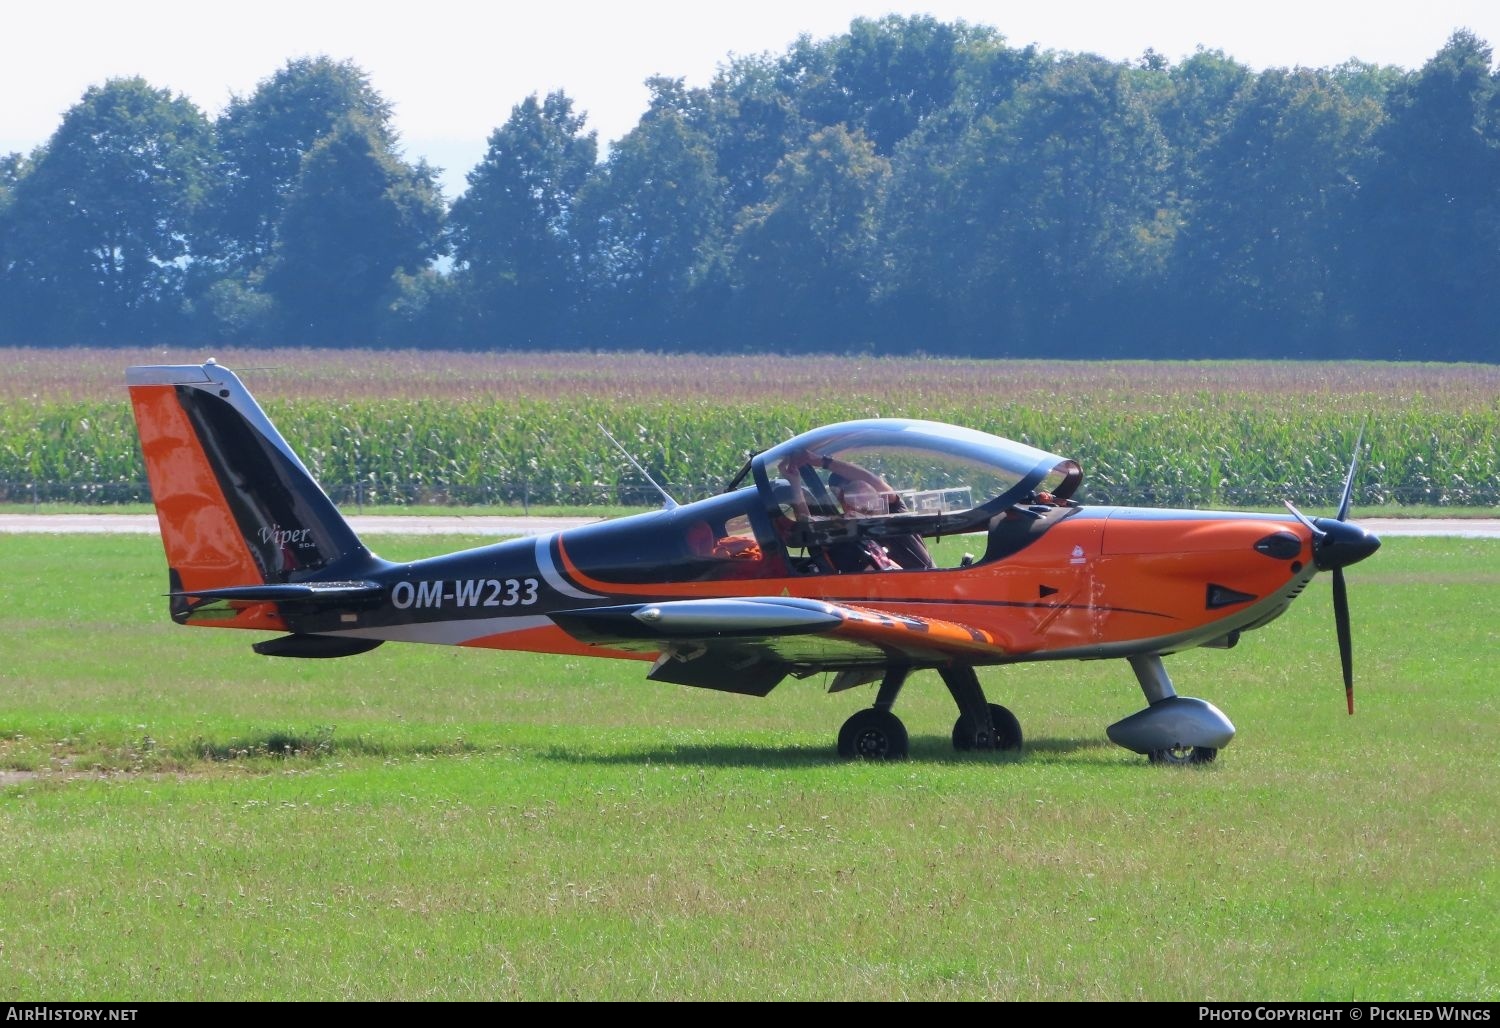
[425,823]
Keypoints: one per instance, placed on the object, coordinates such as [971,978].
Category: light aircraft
[813,559]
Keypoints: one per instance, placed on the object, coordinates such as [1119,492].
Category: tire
[873,735]
[1006,735]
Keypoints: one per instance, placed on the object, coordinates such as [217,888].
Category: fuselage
[1095,582]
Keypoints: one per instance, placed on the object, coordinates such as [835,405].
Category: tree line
[910,186]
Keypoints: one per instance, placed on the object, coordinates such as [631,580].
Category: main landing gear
[877,734]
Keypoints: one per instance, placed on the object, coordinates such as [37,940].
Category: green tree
[98,225]
[990,72]
[12,168]
[927,209]
[652,220]
[931,212]
[804,260]
[1194,109]
[883,76]
[753,122]
[263,139]
[895,71]
[1258,257]
[356,216]
[518,260]
[1425,250]
[1046,222]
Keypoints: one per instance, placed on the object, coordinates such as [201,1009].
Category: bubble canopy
[813,504]
[934,468]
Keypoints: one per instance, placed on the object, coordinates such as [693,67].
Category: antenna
[667,500]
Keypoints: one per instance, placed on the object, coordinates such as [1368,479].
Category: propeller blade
[1343,514]
[1341,623]
[1337,543]
[1317,532]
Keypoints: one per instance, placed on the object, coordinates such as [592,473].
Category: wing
[749,645]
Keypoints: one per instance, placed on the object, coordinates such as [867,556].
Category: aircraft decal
[435,594]
[284,536]
[927,601]
[548,569]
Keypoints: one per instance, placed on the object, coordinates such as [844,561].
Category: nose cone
[1343,543]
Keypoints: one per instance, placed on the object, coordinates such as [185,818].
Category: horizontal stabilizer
[330,593]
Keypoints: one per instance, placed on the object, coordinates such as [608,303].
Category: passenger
[700,539]
[859,499]
[790,521]
[741,555]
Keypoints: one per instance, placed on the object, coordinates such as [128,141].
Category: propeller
[1336,544]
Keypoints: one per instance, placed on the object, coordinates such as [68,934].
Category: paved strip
[374,524]
[1467,528]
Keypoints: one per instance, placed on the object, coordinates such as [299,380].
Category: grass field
[428,823]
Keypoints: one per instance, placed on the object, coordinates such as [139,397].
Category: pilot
[700,539]
[861,493]
[860,500]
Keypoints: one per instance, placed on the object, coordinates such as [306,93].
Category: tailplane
[237,508]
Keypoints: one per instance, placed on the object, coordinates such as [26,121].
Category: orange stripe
[260,616]
[549,639]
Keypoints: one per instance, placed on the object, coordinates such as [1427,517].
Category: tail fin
[237,507]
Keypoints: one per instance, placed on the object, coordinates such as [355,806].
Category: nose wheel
[1183,755]
[1173,729]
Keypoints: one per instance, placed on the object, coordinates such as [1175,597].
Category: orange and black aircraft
[814,559]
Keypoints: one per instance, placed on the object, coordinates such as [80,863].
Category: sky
[453,71]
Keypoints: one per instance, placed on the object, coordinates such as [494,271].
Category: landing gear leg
[981,725]
[875,733]
[1152,675]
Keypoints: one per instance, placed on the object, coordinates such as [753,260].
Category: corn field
[520,429]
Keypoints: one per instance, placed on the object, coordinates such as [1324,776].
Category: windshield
[859,496]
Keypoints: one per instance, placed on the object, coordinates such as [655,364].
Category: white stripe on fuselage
[549,571]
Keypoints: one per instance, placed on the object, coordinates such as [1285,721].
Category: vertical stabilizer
[236,505]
